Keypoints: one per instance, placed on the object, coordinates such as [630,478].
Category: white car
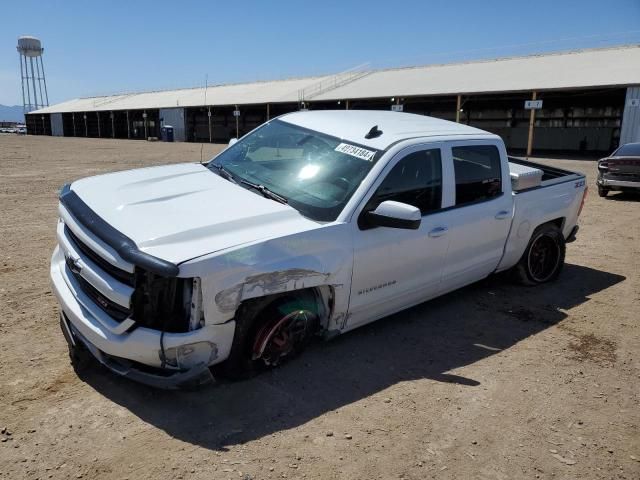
[314,223]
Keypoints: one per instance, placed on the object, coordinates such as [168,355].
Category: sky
[100,48]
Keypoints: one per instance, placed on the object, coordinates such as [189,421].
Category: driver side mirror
[394,214]
[232,141]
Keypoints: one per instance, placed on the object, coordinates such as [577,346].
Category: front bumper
[605,182]
[154,377]
[134,354]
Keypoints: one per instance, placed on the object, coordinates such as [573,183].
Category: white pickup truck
[314,223]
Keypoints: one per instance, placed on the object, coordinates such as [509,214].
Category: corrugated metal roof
[588,68]
[277,91]
[617,66]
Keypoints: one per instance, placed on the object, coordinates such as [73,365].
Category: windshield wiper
[256,186]
[265,191]
[224,172]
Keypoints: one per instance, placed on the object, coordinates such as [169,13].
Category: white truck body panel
[241,245]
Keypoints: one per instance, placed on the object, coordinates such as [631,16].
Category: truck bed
[550,175]
[557,199]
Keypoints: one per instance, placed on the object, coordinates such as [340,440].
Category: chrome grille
[120,275]
[111,308]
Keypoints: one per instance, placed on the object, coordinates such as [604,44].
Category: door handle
[502,214]
[438,231]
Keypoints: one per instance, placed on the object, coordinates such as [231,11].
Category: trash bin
[166,133]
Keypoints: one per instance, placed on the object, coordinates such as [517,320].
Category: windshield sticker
[357,152]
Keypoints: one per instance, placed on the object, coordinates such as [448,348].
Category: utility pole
[532,121]
[237,123]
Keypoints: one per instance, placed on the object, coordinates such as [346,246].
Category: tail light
[584,197]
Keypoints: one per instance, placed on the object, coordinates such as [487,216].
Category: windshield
[315,173]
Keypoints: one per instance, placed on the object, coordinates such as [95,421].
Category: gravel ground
[494,381]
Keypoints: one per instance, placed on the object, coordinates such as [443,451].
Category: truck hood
[179,212]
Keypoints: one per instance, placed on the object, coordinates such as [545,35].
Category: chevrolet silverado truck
[315,223]
[620,171]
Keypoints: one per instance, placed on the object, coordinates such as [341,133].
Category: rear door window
[478,173]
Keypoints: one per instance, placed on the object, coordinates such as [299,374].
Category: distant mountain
[11,114]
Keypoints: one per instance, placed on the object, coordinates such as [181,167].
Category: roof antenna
[375,132]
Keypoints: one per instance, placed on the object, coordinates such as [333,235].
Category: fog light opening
[189,355]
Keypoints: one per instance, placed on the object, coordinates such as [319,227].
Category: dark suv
[620,170]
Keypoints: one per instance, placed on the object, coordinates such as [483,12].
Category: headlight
[64,189]
[190,355]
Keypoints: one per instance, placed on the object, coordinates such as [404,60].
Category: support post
[144,119]
[98,117]
[22,82]
[237,125]
[532,121]
[346,105]
[458,107]
[26,74]
[73,119]
[86,129]
[39,83]
[209,115]
[33,84]
[268,112]
[45,80]
[128,127]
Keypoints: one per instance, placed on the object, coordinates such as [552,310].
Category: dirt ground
[493,382]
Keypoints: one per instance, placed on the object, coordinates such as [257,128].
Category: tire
[270,332]
[80,358]
[543,258]
[602,192]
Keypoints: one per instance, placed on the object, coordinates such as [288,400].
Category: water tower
[33,80]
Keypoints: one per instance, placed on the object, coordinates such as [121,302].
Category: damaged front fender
[318,258]
[269,283]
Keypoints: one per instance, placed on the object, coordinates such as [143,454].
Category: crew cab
[315,223]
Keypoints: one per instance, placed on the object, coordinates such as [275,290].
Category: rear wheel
[543,258]
[270,334]
[602,192]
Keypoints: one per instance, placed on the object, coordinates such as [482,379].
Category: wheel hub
[544,256]
[278,339]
